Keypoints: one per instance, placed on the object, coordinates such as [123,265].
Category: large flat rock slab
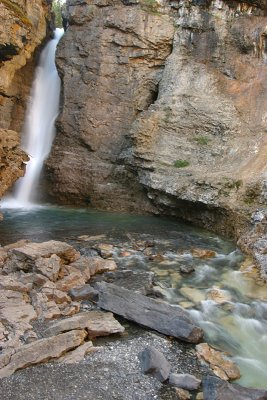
[32,251]
[163,317]
[97,323]
[42,350]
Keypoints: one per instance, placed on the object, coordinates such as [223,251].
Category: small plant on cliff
[181,163]
[150,6]
[202,140]
[17,11]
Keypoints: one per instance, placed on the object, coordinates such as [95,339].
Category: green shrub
[181,163]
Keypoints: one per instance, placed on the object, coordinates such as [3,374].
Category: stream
[219,288]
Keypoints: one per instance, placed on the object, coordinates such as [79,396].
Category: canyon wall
[24,24]
[164,110]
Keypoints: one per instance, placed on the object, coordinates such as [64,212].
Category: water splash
[39,128]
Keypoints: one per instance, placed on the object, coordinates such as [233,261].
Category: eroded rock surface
[23,27]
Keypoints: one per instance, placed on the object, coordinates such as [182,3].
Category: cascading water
[39,128]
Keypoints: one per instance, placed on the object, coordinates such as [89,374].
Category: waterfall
[39,127]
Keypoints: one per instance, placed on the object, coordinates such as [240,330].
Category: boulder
[217,389]
[192,294]
[42,350]
[184,381]
[153,362]
[163,317]
[32,251]
[97,323]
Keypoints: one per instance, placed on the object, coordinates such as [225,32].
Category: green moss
[181,163]
[150,6]
[202,140]
[17,11]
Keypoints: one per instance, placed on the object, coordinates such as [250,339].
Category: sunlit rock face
[164,109]
[23,27]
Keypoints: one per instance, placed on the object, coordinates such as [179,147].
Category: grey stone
[216,389]
[185,381]
[163,317]
[153,362]
[85,292]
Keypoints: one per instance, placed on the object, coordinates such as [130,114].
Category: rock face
[23,27]
[115,55]
[12,159]
[170,115]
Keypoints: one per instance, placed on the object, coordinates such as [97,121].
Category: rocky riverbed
[52,299]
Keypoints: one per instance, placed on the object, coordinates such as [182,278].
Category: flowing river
[229,303]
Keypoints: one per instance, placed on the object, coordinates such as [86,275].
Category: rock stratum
[164,110]
[23,27]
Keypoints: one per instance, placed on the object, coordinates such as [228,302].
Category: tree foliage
[57,4]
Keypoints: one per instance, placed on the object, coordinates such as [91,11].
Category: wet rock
[85,292]
[42,350]
[19,243]
[217,389]
[186,268]
[105,249]
[162,317]
[203,253]
[77,354]
[49,267]
[195,295]
[97,323]
[153,362]
[218,295]
[223,367]
[184,381]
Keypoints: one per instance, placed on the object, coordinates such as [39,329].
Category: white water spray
[39,128]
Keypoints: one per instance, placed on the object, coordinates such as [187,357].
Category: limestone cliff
[23,27]
[164,109]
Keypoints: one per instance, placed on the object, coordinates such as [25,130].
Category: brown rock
[220,364]
[98,265]
[42,350]
[46,309]
[12,283]
[70,281]
[32,251]
[83,266]
[77,354]
[97,323]
[52,293]
[49,267]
